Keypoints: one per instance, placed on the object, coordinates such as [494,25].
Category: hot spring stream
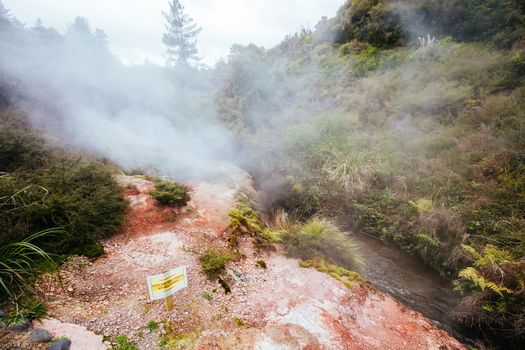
[408,280]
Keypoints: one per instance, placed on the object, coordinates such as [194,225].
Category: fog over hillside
[147,116]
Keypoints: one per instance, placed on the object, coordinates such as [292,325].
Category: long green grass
[19,263]
[320,238]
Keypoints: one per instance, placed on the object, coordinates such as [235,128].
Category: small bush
[171,193]
[213,262]
[261,264]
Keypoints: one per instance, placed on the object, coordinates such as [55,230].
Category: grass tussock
[320,238]
[25,309]
[20,262]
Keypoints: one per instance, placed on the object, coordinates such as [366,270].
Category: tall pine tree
[181,36]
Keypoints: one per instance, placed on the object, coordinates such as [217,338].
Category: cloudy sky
[135,27]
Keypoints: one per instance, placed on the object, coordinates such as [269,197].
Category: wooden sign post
[169,303]
[163,286]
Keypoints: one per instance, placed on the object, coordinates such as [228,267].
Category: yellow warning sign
[168,283]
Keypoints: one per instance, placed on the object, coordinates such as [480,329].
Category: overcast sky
[135,27]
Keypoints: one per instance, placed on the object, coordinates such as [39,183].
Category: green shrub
[369,21]
[84,199]
[58,189]
[20,146]
[171,193]
[213,262]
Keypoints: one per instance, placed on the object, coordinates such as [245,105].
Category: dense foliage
[390,23]
[52,188]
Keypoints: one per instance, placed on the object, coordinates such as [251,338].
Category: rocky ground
[282,306]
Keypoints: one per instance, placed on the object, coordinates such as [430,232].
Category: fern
[493,257]
[474,276]
[422,205]
[471,251]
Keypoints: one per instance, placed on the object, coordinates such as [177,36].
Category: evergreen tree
[181,36]
[5,15]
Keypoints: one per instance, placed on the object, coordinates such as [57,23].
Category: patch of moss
[244,220]
[341,274]
[152,326]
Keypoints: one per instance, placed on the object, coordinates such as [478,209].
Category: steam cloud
[147,117]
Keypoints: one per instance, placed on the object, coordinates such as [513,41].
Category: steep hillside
[418,141]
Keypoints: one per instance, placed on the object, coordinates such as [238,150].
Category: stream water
[408,280]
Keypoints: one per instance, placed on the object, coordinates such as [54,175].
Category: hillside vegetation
[418,141]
